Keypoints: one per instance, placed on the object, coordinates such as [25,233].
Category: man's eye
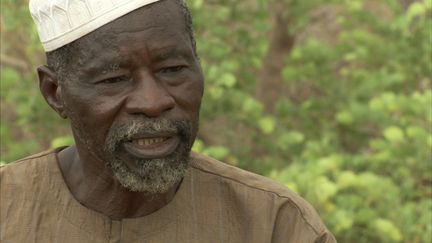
[114,80]
[172,69]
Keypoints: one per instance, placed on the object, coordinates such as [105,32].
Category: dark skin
[147,69]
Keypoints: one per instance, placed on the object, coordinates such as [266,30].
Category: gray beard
[154,175]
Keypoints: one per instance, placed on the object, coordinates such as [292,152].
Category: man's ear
[51,90]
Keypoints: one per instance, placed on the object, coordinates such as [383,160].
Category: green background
[332,98]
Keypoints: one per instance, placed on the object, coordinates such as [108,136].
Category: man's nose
[149,97]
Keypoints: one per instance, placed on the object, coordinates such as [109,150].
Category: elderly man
[127,76]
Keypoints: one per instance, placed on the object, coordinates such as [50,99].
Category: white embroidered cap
[60,22]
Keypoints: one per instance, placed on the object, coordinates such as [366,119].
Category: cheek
[188,97]
[91,114]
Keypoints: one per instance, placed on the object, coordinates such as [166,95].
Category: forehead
[154,27]
[163,15]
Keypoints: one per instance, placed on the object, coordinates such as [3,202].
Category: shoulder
[248,179]
[24,170]
[287,203]
[30,180]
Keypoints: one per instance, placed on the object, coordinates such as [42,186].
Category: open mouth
[149,141]
[152,147]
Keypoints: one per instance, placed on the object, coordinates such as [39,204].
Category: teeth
[148,141]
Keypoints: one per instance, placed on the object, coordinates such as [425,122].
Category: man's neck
[93,185]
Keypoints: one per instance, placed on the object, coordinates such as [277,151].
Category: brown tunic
[215,203]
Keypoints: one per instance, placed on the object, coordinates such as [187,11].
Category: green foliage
[27,123]
[372,193]
[352,128]
[359,149]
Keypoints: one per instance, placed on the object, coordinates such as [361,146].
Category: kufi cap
[60,22]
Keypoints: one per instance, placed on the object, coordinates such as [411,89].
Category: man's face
[134,97]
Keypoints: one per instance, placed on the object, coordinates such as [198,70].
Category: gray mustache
[124,132]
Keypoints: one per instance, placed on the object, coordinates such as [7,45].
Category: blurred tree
[332,98]
[27,124]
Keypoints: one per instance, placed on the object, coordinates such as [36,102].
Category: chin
[153,176]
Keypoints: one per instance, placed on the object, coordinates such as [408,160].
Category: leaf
[197,4]
[228,80]
[394,134]
[345,118]
[62,141]
[343,220]
[252,107]
[325,189]
[296,137]
[198,146]
[428,4]
[217,152]
[387,229]
[415,132]
[215,92]
[416,9]
[267,124]
[347,179]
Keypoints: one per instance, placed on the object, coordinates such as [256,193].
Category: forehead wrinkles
[157,14]
[97,43]
[103,45]
[109,50]
[92,49]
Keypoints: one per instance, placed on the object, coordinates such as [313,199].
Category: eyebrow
[112,67]
[101,68]
[162,54]
[109,63]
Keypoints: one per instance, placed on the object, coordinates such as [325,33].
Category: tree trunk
[269,86]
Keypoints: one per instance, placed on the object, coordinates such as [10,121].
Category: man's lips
[149,141]
[152,147]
